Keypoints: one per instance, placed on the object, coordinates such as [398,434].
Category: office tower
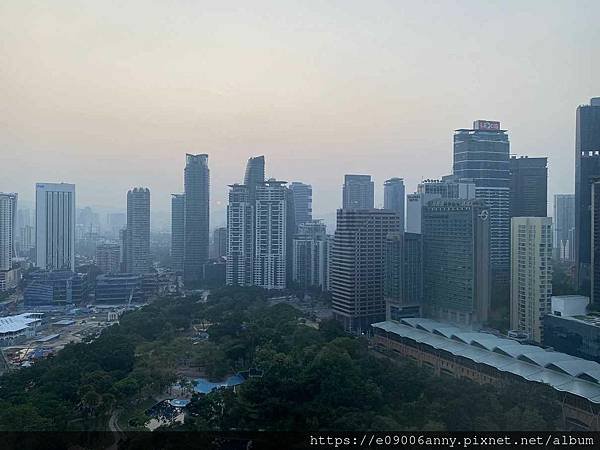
[108,257]
[26,240]
[595,242]
[456,267]
[448,187]
[220,242]
[587,167]
[531,274]
[271,240]
[136,236]
[482,154]
[403,288]
[311,249]
[240,237]
[23,218]
[8,216]
[116,222]
[528,187]
[302,202]
[55,226]
[356,278]
[254,175]
[564,224]
[196,220]
[358,192]
[177,231]
[393,197]
[88,219]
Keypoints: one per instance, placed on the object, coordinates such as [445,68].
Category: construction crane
[129,301]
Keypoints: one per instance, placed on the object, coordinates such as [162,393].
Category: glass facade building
[587,167]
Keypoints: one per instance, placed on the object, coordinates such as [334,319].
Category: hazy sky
[112,94]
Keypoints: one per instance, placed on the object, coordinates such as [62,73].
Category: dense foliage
[323,379]
[313,379]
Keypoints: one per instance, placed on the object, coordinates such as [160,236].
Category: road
[113,425]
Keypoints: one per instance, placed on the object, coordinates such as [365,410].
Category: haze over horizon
[110,96]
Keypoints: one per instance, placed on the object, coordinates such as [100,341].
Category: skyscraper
[8,215]
[357,266]
[311,256]
[482,154]
[595,242]
[403,288]
[528,187]
[177,231]
[136,236]
[449,186]
[302,201]
[55,226]
[587,167]
[456,269]
[220,242]
[393,197]
[271,240]
[531,274]
[196,218]
[564,225]
[358,192]
[254,175]
[108,257]
[240,237]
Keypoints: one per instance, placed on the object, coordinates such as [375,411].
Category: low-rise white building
[18,327]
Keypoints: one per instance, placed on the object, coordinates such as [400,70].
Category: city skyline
[62,116]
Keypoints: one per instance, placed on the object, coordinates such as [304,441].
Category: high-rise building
[456,268]
[531,274]
[196,220]
[136,236]
[241,225]
[564,225]
[482,154]
[55,226]
[220,242]
[587,167]
[240,237]
[26,240]
[393,197]
[254,175]
[291,227]
[116,222]
[448,187]
[311,249]
[302,202]
[403,286]
[177,231]
[528,187]
[358,192]
[595,243]
[271,240]
[356,278]
[8,215]
[108,257]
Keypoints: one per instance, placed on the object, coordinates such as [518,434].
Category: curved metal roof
[563,372]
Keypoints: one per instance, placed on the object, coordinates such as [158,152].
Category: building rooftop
[12,324]
[589,319]
[565,373]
